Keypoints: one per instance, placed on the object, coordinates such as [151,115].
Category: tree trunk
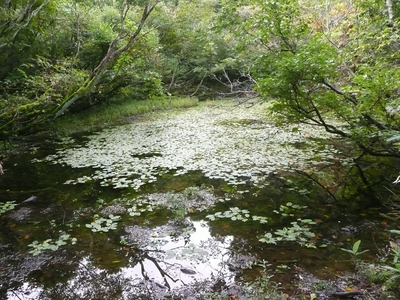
[22,21]
[389,7]
[111,56]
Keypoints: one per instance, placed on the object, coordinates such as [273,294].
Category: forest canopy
[316,61]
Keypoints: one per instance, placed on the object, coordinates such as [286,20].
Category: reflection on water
[27,291]
[166,263]
[185,260]
[162,240]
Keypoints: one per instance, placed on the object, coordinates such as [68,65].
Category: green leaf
[211,217]
[356,245]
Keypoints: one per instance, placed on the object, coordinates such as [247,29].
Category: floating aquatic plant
[289,209]
[260,219]
[299,232]
[191,252]
[101,224]
[234,213]
[7,206]
[140,206]
[51,244]
[237,214]
[132,155]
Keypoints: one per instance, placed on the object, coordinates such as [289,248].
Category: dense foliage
[60,56]
[332,64]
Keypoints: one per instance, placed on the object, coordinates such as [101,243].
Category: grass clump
[382,277]
[116,112]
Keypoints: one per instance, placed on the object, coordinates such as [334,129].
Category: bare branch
[389,7]
[332,87]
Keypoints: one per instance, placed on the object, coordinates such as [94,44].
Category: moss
[30,106]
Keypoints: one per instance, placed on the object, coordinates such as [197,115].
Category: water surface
[175,200]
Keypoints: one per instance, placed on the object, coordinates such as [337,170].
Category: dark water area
[191,206]
[102,259]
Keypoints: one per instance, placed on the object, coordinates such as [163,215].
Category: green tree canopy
[334,65]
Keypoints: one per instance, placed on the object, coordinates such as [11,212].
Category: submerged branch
[162,272]
[318,183]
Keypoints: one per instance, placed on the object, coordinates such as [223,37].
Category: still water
[184,204]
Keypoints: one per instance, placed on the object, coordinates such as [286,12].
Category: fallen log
[348,293]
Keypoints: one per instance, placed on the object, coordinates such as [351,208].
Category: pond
[175,204]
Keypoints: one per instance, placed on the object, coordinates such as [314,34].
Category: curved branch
[333,88]
[318,183]
[162,272]
[25,14]
[111,56]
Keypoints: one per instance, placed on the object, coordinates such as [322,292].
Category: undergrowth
[114,113]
